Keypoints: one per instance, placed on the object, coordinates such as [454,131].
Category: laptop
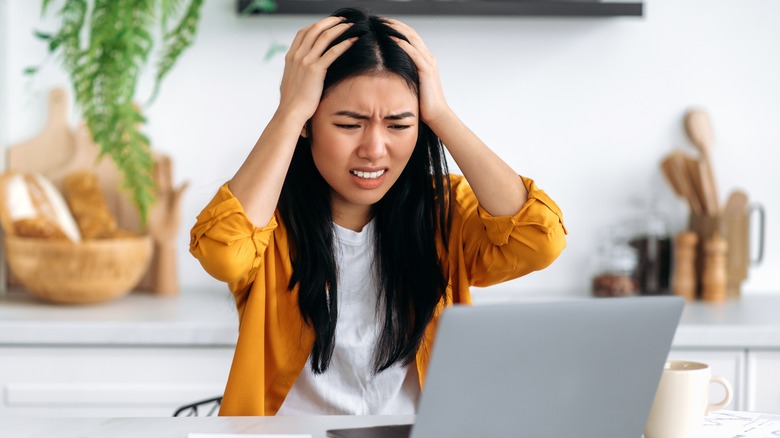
[580,367]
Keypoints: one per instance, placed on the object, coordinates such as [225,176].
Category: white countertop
[192,318]
[208,318]
[752,321]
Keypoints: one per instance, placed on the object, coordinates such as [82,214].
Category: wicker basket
[87,272]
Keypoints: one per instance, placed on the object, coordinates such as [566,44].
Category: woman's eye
[347,126]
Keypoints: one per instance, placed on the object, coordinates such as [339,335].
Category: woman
[342,236]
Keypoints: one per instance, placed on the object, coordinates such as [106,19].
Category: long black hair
[409,219]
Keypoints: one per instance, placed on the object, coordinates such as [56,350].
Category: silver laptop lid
[581,367]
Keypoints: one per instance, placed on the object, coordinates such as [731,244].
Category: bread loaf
[39,227]
[33,207]
[86,201]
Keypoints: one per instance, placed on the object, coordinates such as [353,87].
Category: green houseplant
[104,45]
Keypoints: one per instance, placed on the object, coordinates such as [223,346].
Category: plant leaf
[42,35]
[261,6]
[175,42]
[273,50]
[104,46]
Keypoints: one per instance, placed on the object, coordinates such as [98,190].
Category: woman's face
[364,132]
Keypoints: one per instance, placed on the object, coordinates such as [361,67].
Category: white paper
[243,435]
[738,424]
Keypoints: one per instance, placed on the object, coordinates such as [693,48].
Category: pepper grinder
[684,276]
[714,277]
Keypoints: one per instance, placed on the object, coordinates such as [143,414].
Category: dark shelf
[551,8]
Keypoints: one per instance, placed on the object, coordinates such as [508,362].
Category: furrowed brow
[358,116]
[400,116]
[351,114]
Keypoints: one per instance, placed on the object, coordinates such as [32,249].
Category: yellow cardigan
[274,343]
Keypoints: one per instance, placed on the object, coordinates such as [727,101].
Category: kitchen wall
[585,106]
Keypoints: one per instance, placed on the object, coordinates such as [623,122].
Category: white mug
[682,400]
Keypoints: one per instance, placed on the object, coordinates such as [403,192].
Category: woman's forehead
[371,90]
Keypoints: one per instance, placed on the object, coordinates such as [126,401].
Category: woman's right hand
[306,63]
[258,182]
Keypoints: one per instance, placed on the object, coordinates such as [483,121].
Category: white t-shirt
[349,386]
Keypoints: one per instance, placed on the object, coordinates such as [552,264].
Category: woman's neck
[353,218]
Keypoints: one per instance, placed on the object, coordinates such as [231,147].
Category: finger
[327,37]
[406,30]
[299,36]
[313,32]
[337,50]
[414,41]
[420,60]
[300,39]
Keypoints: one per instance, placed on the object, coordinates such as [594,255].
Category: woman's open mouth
[367,175]
[368,180]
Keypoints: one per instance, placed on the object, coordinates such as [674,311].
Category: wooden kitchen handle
[693,173]
[709,190]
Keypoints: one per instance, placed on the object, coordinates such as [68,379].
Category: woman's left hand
[499,190]
[432,102]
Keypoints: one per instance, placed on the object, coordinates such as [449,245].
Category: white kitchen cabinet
[145,355]
[108,381]
[763,381]
[729,364]
[141,355]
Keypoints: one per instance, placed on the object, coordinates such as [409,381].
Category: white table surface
[719,424]
[208,317]
[180,427]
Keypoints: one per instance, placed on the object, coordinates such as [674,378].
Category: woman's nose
[373,145]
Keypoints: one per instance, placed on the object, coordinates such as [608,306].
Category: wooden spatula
[693,173]
[674,168]
[700,132]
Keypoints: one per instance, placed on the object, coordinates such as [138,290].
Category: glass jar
[654,249]
[615,270]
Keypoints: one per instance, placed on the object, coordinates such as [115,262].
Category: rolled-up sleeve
[226,243]
[501,248]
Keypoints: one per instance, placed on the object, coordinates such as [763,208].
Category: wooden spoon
[700,132]
[674,168]
[699,129]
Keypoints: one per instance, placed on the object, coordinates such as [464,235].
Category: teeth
[367,175]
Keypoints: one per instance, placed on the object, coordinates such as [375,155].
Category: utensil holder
[735,228]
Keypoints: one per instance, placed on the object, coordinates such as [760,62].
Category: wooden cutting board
[736,216]
[53,147]
[59,150]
